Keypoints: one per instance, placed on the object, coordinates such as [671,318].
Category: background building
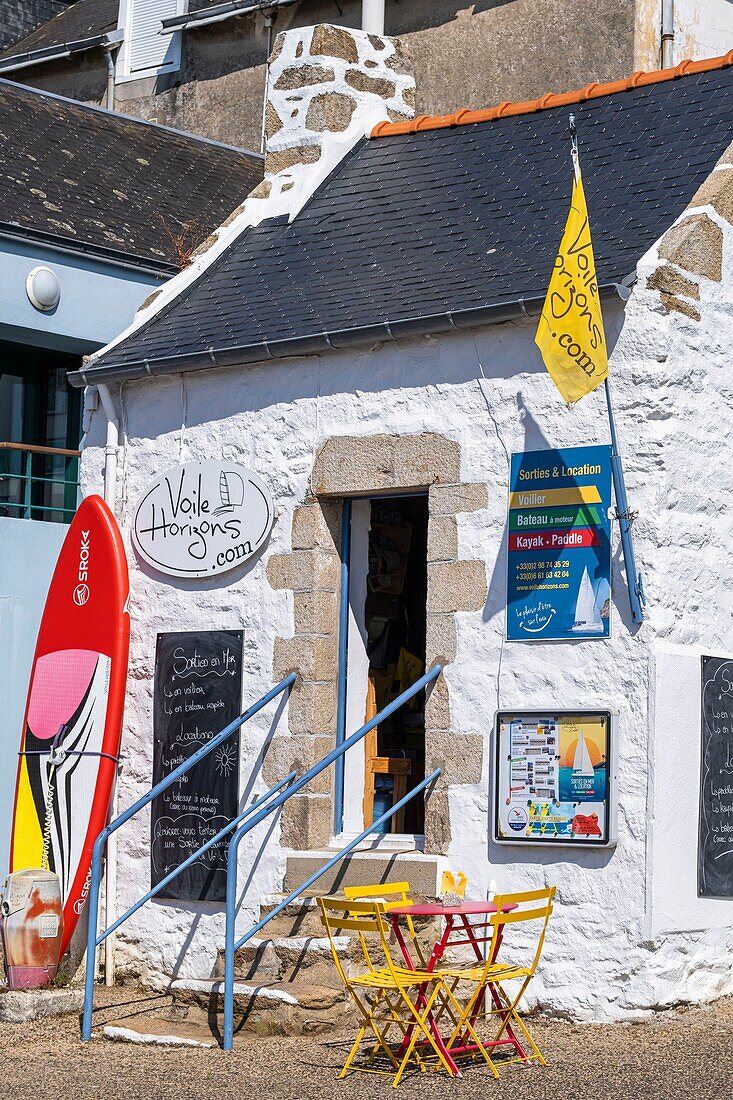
[207,74]
[96,212]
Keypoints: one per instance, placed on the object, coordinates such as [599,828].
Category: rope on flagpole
[574,147]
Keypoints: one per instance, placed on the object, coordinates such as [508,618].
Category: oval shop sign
[202,518]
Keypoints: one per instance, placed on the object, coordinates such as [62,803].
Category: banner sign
[198,691]
[202,518]
[715,839]
[553,779]
[559,545]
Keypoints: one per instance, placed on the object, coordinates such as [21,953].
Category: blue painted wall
[28,553]
[98,299]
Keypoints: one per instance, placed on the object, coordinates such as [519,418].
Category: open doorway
[387,597]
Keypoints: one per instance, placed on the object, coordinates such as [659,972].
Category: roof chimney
[327,88]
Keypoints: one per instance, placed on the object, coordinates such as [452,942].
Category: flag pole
[623,515]
[625,518]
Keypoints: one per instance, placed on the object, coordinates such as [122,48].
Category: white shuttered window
[146,51]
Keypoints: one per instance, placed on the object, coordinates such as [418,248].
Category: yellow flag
[570,333]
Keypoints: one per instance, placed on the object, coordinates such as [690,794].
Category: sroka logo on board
[81,592]
[202,518]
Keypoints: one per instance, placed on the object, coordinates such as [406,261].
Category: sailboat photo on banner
[587,616]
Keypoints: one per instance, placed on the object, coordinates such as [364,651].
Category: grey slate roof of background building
[19,17]
[84,19]
[102,183]
[442,228]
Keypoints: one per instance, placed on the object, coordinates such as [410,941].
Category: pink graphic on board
[60,683]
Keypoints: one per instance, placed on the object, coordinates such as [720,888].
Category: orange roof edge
[591,91]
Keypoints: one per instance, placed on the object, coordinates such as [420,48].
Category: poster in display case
[554,780]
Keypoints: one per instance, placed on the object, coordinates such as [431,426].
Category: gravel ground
[677,1055]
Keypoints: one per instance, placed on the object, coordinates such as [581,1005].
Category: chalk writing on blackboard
[715,841]
[198,691]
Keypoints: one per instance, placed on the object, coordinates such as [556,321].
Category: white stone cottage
[362,329]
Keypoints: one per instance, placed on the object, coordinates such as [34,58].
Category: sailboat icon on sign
[582,763]
[587,616]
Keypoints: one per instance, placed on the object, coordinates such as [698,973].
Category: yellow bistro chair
[386,995]
[392,894]
[489,997]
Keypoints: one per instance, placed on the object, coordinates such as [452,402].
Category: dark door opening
[395,620]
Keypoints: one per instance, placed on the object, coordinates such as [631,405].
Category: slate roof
[446,226]
[84,19]
[94,181]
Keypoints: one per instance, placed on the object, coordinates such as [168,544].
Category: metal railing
[244,824]
[230,947]
[94,939]
[32,492]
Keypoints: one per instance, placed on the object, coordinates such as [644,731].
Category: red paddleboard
[73,719]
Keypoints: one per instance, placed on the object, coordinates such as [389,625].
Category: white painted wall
[614,951]
[703,28]
[28,553]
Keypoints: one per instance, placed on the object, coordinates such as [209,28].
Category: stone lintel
[359,465]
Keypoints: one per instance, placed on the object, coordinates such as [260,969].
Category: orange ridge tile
[551,99]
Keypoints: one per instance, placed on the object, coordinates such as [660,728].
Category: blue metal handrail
[231,947]
[335,754]
[93,939]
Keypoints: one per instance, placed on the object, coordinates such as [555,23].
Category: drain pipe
[110,870]
[110,48]
[372,16]
[110,449]
[270,18]
[667,34]
[110,63]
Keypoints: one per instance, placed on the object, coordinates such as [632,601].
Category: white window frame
[123,73]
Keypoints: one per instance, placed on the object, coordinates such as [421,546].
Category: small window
[145,51]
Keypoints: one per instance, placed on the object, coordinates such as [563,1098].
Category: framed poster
[715,825]
[197,692]
[559,545]
[554,778]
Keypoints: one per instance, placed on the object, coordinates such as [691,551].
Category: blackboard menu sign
[198,691]
[715,843]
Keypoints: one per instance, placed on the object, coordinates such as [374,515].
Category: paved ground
[678,1056]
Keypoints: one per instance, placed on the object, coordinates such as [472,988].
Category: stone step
[422,872]
[286,959]
[267,1008]
[299,918]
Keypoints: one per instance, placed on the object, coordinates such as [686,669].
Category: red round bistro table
[458,930]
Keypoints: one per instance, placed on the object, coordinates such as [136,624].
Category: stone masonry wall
[325,81]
